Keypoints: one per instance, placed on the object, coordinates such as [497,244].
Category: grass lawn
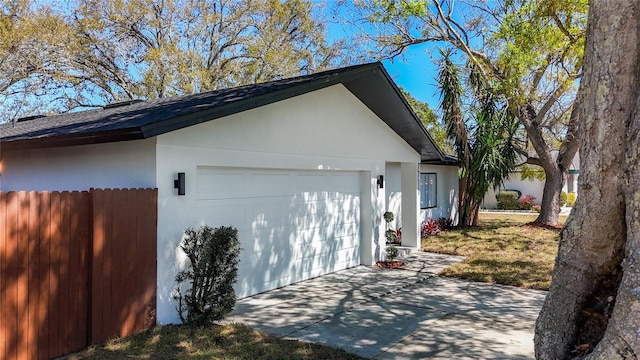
[500,250]
[234,341]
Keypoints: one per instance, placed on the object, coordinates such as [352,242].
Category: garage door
[293,225]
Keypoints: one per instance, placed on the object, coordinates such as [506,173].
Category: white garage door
[293,225]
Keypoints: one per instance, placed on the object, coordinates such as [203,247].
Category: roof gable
[369,82]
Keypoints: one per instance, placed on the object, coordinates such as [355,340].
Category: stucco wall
[533,187]
[393,193]
[447,192]
[526,187]
[129,164]
[328,129]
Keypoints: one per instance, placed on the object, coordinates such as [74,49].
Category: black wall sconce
[179,183]
[380,181]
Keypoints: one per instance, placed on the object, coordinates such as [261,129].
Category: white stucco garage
[294,225]
[303,167]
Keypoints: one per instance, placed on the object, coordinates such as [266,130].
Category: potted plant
[390,234]
[390,263]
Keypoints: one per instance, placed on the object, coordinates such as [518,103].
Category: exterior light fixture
[380,181]
[179,183]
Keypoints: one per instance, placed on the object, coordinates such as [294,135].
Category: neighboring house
[303,167]
[533,187]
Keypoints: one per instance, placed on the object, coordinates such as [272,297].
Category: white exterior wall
[410,205]
[127,164]
[393,189]
[526,187]
[329,129]
[447,193]
[532,187]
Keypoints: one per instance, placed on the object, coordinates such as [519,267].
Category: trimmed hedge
[508,199]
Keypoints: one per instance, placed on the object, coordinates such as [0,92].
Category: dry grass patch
[234,341]
[502,249]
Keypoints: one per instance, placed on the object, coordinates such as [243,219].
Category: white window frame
[428,190]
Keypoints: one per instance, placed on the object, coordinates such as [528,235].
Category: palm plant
[485,142]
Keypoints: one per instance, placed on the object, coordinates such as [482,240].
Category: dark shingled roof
[140,120]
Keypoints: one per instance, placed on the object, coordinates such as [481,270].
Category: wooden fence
[76,268]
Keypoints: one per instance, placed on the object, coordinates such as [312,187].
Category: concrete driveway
[400,314]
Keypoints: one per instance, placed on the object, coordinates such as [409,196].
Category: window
[428,194]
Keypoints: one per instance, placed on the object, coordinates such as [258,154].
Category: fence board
[84,236]
[43,275]
[75,268]
[118,270]
[147,267]
[124,237]
[54,274]
[78,286]
[22,318]
[4,331]
[63,291]
[34,264]
[101,265]
[96,256]
[11,272]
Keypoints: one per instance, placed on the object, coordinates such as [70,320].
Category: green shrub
[388,216]
[508,199]
[391,236]
[214,256]
[392,252]
[563,198]
[571,199]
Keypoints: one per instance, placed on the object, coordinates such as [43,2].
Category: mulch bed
[390,264]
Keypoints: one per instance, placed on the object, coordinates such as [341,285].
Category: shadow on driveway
[400,314]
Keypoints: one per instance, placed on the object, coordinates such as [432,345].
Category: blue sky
[414,71]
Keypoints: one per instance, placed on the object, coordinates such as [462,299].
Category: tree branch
[534,161]
[549,103]
[560,25]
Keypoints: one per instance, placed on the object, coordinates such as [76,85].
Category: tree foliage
[25,55]
[528,51]
[430,121]
[485,143]
[102,51]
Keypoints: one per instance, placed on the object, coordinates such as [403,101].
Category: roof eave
[440,162]
[72,139]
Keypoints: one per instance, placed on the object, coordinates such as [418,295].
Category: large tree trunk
[555,169]
[622,338]
[592,243]
[550,205]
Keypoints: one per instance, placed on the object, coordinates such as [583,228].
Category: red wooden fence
[75,268]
